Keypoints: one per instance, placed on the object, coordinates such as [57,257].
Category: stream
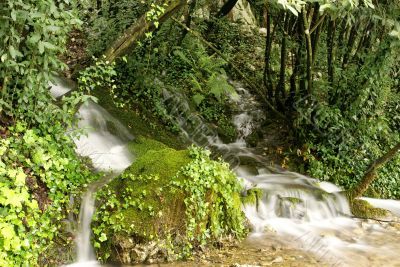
[303,213]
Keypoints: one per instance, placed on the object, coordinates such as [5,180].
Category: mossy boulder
[361,208]
[165,205]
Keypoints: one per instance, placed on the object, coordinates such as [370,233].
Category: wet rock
[277,260]
[276,247]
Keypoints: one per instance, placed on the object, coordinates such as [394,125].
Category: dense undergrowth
[40,173]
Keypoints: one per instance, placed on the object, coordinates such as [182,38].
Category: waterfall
[302,212]
[105,143]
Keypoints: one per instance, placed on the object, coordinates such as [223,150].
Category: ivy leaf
[7,231]
[103,237]
[49,46]
[198,98]
[13,52]
[20,178]
[41,47]
[34,38]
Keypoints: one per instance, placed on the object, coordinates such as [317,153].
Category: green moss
[164,162]
[226,130]
[147,181]
[141,145]
[363,209]
[139,122]
[371,192]
[293,200]
[253,196]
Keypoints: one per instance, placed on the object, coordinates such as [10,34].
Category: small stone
[275,247]
[277,260]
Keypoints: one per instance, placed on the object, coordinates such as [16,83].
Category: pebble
[277,260]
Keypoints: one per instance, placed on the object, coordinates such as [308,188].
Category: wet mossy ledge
[362,209]
[167,205]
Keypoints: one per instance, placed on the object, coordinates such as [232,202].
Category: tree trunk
[371,174]
[226,8]
[137,30]
[280,93]
[350,44]
[307,34]
[267,65]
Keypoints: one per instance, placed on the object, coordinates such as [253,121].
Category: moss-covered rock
[167,203]
[137,121]
[252,196]
[141,145]
[361,208]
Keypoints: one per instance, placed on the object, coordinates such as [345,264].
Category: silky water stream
[299,211]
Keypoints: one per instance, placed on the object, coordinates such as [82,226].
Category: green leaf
[20,178]
[34,38]
[13,52]
[4,57]
[14,15]
[198,98]
[49,46]
[41,47]
[103,237]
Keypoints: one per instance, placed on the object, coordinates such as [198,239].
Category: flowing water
[303,212]
[105,143]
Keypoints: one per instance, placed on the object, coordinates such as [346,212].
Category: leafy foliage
[32,36]
[210,182]
[40,172]
[104,22]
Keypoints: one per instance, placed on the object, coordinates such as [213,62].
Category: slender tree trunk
[293,78]
[188,16]
[302,73]
[371,174]
[350,44]
[226,8]
[280,94]
[267,65]
[137,30]
[316,30]
[307,34]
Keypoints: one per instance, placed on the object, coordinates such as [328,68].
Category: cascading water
[105,143]
[302,212]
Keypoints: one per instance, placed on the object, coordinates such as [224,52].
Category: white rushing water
[105,143]
[303,212]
